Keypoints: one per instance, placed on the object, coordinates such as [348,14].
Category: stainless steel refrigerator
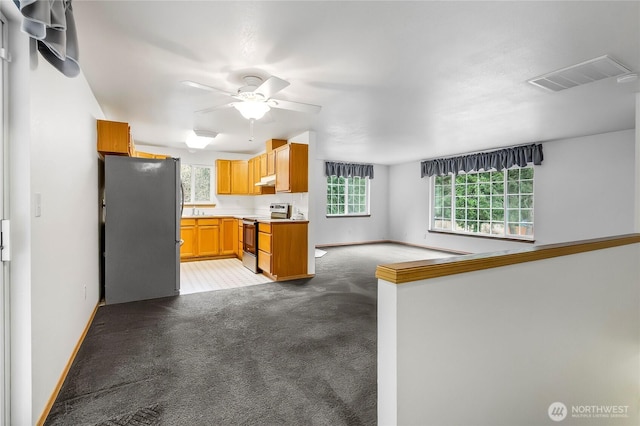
[141,212]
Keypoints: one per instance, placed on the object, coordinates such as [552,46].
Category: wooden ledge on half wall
[404,272]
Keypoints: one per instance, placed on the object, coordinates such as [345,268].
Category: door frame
[5,311]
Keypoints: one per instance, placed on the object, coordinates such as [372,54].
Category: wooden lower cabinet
[282,246]
[282,250]
[188,235]
[208,238]
[240,251]
[228,236]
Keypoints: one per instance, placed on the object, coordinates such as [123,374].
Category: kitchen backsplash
[258,205]
[297,201]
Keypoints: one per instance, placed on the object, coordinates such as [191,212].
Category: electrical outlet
[85,292]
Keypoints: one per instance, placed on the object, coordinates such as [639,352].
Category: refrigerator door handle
[181,198]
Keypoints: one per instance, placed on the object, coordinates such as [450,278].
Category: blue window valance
[333,168]
[499,160]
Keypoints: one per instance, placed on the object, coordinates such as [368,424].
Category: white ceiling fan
[253,100]
[257,94]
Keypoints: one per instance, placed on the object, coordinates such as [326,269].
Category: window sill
[489,237]
[346,215]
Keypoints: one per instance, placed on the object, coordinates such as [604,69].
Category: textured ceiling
[397,81]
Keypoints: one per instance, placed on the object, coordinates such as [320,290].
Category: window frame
[505,235]
[194,202]
[346,185]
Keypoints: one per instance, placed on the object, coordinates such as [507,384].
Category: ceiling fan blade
[217,107]
[272,86]
[204,87]
[294,106]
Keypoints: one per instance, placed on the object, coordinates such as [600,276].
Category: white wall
[581,189]
[338,230]
[52,139]
[65,238]
[498,346]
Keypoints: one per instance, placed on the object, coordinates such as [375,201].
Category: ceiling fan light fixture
[252,109]
[194,141]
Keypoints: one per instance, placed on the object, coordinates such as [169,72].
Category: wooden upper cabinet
[239,177]
[232,177]
[254,176]
[271,163]
[254,189]
[141,154]
[292,164]
[223,176]
[283,161]
[272,144]
[114,138]
[250,176]
[263,165]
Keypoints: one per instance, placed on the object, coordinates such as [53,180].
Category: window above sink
[197,184]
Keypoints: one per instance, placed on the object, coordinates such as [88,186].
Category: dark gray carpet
[292,353]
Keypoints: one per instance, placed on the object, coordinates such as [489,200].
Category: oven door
[250,245]
[249,237]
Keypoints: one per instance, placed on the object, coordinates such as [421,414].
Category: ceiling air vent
[583,73]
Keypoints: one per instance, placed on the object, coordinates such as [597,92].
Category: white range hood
[267,181]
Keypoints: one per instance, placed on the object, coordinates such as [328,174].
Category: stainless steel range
[280,210]
[250,234]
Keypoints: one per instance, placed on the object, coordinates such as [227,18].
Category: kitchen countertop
[211,216]
[268,220]
[262,219]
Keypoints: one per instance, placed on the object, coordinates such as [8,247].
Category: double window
[347,196]
[197,183]
[493,203]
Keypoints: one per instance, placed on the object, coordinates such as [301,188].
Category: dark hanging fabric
[51,23]
[499,160]
[333,168]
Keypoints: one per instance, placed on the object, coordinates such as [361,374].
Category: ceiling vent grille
[583,73]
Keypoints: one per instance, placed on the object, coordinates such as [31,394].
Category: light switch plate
[38,204]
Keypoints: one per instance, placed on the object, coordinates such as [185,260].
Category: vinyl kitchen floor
[221,274]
